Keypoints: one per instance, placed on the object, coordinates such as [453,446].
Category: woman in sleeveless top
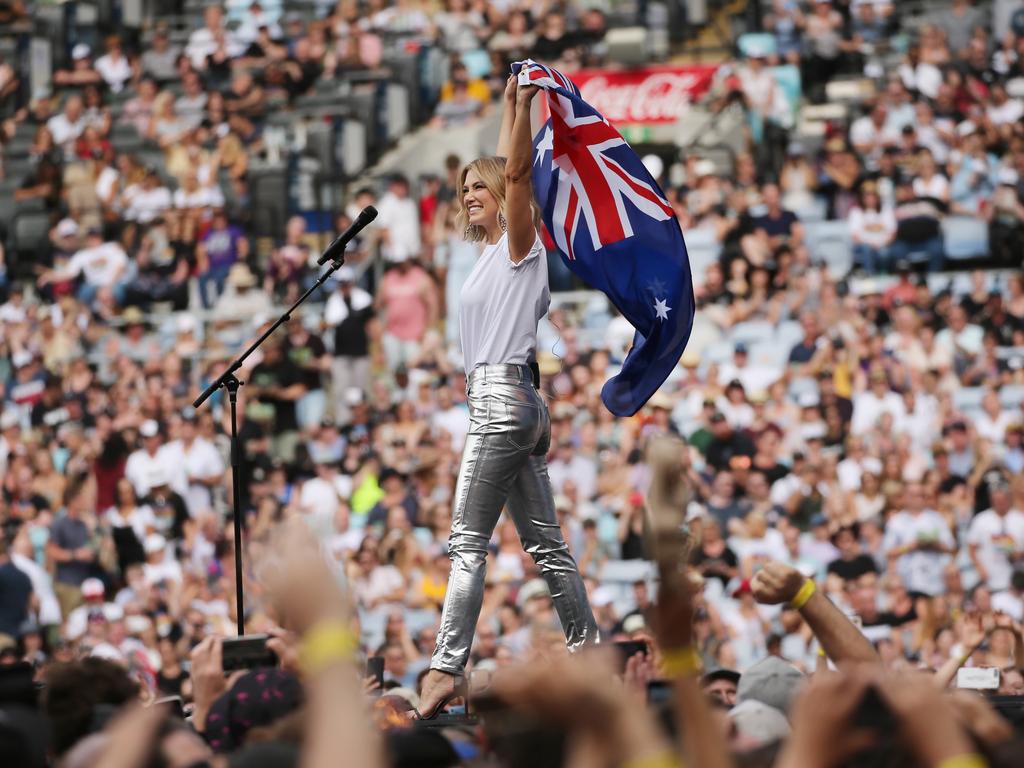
[504,461]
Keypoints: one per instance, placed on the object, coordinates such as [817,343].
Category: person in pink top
[408,298]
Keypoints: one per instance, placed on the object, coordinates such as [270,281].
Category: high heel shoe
[460,689]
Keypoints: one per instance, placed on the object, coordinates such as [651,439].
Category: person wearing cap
[504,461]
[81,72]
[995,539]
[348,312]
[160,567]
[149,456]
[241,301]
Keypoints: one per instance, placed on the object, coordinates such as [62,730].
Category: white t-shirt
[336,311]
[401,218]
[921,571]
[997,538]
[500,305]
[169,570]
[107,182]
[454,421]
[64,131]
[867,408]
[147,204]
[115,72]
[204,197]
[937,186]
[1008,113]
[200,460]
[101,265]
[873,228]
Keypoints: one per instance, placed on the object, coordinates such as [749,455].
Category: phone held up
[247,652]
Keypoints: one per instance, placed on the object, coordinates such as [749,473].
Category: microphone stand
[230,382]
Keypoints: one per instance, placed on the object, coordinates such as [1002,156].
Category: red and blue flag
[615,230]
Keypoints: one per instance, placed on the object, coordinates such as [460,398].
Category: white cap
[9,419]
[531,589]
[149,428]
[966,128]
[602,596]
[634,623]
[107,651]
[21,358]
[155,477]
[92,587]
[704,167]
[136,624]
[345,274]
[1007,176]
[808,400]
[154,543]
[67,228]
[185,323]
[759,722]
[353,396]
[654,165]
[398,258]
[80,51]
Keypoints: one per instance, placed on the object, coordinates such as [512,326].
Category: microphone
[336,250]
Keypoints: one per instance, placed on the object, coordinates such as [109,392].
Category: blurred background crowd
[850,182]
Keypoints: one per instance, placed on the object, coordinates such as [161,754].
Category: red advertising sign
[650,95]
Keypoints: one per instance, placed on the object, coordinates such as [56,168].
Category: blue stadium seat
[968,398]
[752,332]
[831,242]
[763,42]
[964,237]
[1011,396]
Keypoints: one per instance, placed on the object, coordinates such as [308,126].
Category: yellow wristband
[680,662]
[659,760]
[326,643]
[800,599]
[821,652]
[964,761]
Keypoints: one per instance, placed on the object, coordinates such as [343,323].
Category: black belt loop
[535,373]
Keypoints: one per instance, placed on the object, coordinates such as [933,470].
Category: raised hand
[776,583]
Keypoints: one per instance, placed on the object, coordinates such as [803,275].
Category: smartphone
[978,678]
[628,649]
[375,669]
[247,652]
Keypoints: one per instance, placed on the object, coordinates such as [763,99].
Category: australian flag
[615,230]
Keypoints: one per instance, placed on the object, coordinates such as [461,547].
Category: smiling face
[479,203]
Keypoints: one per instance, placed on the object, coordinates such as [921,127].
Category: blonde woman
[504,460]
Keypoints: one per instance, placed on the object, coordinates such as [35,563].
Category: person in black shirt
[16,589]
[163,267]
[726,443]
[349,310]
[713,559]
[276,383]
[308,354]
[852,562]
[554,39]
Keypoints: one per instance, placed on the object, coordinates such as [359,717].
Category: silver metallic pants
[505,461]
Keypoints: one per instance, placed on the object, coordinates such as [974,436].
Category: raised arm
[508,116]
[843,642]
[519,179]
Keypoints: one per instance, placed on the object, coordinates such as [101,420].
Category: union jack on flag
[614,229]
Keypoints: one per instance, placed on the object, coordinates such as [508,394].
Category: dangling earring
[502,222]
[467,232]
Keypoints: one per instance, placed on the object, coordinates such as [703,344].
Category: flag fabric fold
[614,229]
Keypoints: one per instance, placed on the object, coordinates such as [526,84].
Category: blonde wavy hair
[491,171]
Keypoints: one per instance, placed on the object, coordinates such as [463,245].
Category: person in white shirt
[205,40]
[398,220]
[151,464]
[102,265]
[113,66]
[960,338]
[850,470]
[150,200]
[995,539]
[203,467]
[920,543]
[870,405]
[1003,110]
[504,463]
[451,418]
[992,422]
[67,126]
[160,565]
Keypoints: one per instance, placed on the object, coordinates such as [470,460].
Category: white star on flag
[545,145]
[661,308]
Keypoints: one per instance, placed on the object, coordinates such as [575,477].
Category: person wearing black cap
[721,684]
[726,443]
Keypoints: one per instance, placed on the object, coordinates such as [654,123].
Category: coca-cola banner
[651,95]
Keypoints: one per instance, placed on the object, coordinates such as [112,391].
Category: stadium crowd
[863,432]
